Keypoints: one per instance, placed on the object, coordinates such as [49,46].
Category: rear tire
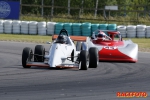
[93,57]
[39,53]
[26,56]
[83,60]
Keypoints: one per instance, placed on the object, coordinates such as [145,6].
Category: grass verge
[25,38]
[144,43]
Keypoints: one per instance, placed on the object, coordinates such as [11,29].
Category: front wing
[42,64]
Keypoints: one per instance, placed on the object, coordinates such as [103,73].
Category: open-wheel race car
[112,47]
[63,53]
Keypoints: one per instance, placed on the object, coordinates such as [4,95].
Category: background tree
[61,6]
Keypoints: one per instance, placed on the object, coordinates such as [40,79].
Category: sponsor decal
[110,47]
[5,9]
[131,94]
[9,9]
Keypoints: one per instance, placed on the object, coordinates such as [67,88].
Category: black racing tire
[72,56]
[93,57]
[83,60]
[39,53]
[26,56]
[78,46]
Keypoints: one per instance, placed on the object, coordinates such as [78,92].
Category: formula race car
[112,47]
[63,53]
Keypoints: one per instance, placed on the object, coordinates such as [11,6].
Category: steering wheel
[63,32]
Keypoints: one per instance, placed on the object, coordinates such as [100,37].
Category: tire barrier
[77,29]
[1,26]
[86,29]
[16,27]
[24,27]
[68,27]
[122,30]
[112,27]
[58,27]
[141,30]
[94,27]
[33,27]
[103,27]
[8,26]
[147,32]
[50,28]
[131,31]
[41,28]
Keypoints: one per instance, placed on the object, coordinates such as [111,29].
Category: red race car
[112,47]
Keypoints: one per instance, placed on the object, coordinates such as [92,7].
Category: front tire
[83,60]
[39,53]
[93,57]
[26,56]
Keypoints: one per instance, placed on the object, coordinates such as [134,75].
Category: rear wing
[75,38]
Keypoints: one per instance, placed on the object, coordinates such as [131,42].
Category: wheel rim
[87,62]
[97,58]
[30,56]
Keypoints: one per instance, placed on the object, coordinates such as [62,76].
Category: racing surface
[102,83]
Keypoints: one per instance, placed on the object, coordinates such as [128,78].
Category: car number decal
[110,47]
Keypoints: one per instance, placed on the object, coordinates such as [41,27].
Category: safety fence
[81,29]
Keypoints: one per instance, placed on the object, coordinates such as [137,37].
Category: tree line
[75,5]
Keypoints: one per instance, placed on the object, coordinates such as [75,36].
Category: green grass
[144,43]
[25,38]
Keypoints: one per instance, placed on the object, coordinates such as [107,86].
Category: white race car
[63,53]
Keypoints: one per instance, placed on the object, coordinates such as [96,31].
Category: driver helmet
[61,39]
[100,35]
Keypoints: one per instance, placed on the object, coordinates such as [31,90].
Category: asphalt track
[102,83]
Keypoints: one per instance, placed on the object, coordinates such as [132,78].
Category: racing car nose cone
[55,56]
